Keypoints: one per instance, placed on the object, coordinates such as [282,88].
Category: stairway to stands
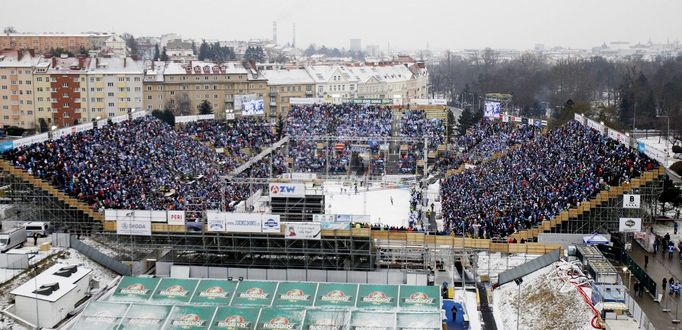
[61,196]
[582,211]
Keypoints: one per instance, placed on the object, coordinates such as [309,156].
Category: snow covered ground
[471,308]
[546,302]
[659,144]
[492,264]
[376,203]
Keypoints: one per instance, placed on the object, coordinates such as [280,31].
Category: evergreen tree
[203,51]
[205,108]
[164,56]
[156,52]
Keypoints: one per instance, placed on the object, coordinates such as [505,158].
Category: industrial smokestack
[274,32]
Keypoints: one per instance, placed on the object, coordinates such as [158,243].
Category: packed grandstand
[519,175]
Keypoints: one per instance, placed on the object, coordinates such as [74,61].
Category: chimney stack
[81,62]
[125,61]
[54,62]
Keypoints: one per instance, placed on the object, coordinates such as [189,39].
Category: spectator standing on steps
[646,260]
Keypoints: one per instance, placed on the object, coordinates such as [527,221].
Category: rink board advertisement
[144,317]
[295,294]
[213,292]
[134,289]
[101,316]
[336,295]
[278,319]
[372,296]
[302,230]
[419,320]
[254,293]
[174,291]
[326,319]
[270,223]
[235,318]
[134,227]
[243,222]
[630,225]
[419,298]
[190,317]
[372,320]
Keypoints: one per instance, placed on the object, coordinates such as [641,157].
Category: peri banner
[174,291]
[134,227]
[302,230]
[254,293]
[190,318]
[134,289]
[270,223]
[231,318]
[336,295]
[279,319]
[419,298]
[630,225]
[213,292]
[175,218]
[326,319]
[291,294]
[287,189]
[372,296]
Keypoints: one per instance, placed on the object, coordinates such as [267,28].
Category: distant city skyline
[518,24]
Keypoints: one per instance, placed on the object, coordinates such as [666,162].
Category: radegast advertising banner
[419,298]
[134,289]
[336,295]
[174,290]
[295,294]
[279,319]
[143,316]
[325,319]
[377,296]
[254,293]
[190,317]
[213,292]
[278,189]
[235,318]
[302,230]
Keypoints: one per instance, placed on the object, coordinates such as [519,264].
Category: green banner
[372,320]
[101,316]
[317,319]
[374,296]
[254,293]
[134,289]
[419,321]
[336,295]
[232,318]
[174,291]
[190,318]
[295,294]
[145,317]
[419,298]
[279,319]
[213,292]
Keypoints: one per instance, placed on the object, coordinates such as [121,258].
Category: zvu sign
[287,190]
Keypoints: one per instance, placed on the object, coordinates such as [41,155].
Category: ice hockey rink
[375,202]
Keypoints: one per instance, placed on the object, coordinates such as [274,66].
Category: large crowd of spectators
[546,175]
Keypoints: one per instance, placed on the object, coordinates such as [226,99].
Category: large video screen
[250,105]
[492,109]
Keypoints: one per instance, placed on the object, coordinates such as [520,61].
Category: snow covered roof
[201,67]
[287,77]
[115,65]
[53,283]
[324,73]
[13,59]
[391,73]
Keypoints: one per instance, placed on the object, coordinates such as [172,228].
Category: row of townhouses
[41,92]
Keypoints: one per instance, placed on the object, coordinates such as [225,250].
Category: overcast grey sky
[410,24]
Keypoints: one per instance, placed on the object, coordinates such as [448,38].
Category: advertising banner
[33,139]
[377,296]
[630,225]
[305,100]
[302,230]
[271,223]
[174,291]
[336,295]
[631,201]
[618,136]
[324,217]
[190,318]
[215,221]
[278,319]
[235,318]
[419,321]
[372,320]
[134,289]
[290,294]
[206,117]
[287,190]
[328,225]
[138,114]
[254,293]
[6,146]
[102,122]
[100,315]
[119,119]
[213,292]
[134,227]
[143,317]
[175,217]
[595,125]
[326,319]
[159,216]
[419,298]
[243,222]
[185,119]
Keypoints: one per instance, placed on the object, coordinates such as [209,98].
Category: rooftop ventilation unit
[47,289]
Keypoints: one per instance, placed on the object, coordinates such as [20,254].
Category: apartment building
[182,87]
[396,81]
[16,88]
[43,42]
[335,81]
[113,87]
[285,84]
[68,80]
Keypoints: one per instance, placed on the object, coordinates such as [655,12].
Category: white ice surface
[376,203]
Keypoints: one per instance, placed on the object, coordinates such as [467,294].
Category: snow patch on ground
[492,264]
[376,203]
[471,308]
[546,302]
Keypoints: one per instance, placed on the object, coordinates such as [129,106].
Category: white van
[11,239]
[42,228]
